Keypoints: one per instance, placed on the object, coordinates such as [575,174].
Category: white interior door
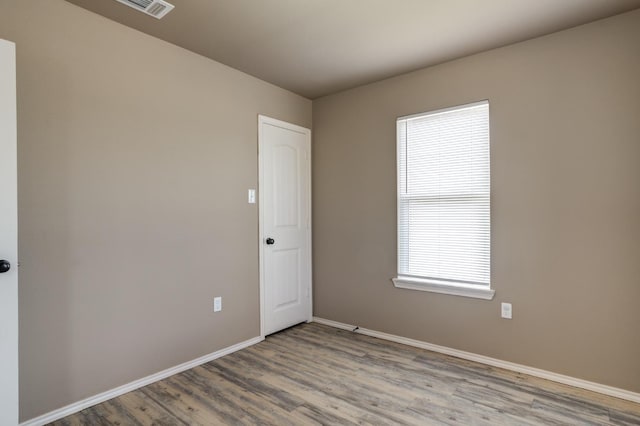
[285,224]
[8,238]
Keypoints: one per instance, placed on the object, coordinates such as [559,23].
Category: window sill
[434,286]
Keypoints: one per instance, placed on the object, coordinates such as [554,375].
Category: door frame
[263,119]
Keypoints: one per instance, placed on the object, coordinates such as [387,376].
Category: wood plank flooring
[313,374]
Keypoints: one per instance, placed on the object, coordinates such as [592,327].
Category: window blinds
[444,195]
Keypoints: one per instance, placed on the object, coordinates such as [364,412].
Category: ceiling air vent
[155,8]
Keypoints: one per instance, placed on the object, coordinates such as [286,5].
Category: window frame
[436,285]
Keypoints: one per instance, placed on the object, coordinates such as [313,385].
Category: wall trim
[536,372]
[136,384]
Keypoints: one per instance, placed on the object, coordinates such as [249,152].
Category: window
[444,201]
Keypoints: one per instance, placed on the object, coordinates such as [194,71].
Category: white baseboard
[536,372]
[121,390]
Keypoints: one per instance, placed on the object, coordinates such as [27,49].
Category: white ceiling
[318,47]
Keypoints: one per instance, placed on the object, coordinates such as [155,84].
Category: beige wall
[565,151]
[135,157]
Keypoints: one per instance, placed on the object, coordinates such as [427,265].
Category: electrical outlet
[217,304]
[507,311]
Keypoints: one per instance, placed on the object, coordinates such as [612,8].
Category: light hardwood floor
[314,374]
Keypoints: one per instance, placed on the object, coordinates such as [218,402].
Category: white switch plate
[252,196]
[217,304]
[507,311]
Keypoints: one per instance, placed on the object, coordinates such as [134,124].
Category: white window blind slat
[444,195]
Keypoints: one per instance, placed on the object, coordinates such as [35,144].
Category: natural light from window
[444,201]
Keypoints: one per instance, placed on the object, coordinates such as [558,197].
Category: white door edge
[263,119]
[9,379]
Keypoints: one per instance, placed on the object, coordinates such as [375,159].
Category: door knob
[4,266]
[270,241]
